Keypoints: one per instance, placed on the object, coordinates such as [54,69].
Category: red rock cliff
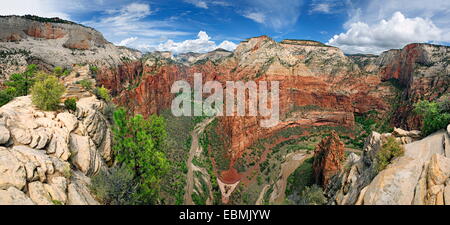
[328,158]
[309,75]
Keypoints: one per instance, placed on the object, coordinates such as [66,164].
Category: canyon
[322,90]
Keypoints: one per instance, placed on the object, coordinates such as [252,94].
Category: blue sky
[356,26]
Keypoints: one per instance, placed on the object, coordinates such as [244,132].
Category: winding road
[195,150]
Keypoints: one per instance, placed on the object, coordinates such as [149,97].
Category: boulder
[447,145]
[12,171]
[435,195]
[398,132]
[78,193]
[86,158]
[12,196]
[4,135]
[421,187]
[57,189]
[439,170]
[38,193]
[105,148]
[69,120]
[62,167]
[40,137]
[447,193]
[21,136]
[42,162]
[396,185]
[58,145]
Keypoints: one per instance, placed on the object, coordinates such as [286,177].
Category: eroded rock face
[328,158]
[12,171]
[36,160]
[13,196]
[26,40]
[46,31]
[423,72]
[418,177]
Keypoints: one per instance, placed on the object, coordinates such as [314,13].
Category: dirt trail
[260,199]
[293,161]
[194,151]
[354,150]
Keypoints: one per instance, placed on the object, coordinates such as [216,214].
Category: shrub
[436,115]
[108,111]
[66,72]
[312,195]
[58,71]
[18,84]
[46,92]
[23,81]
[93,69]
[70,104]
[57,202]
[6,95]
[139,144]
[114,186]
[86,84]
[389,150]
[102,93]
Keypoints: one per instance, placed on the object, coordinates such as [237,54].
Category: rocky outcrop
[51,42]
[37,30]
[418,177]
[423,71]
[12,196]
[46,157]
[328,159]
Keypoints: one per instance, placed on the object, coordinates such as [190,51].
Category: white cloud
[198,3]
[255,16]
[130,26]
[221,3]
[327,6]
[127,14]
[272,13]
[227,45]
[44,8]
[202,44]
[395,32]
[321,8]
[372,11]
[126,41]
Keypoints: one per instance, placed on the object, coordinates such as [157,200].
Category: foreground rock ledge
[46,157]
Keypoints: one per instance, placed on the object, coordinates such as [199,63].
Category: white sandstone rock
[22,136]
[41,161]
[12,196]
[447,193]
[57,189]
[69,120]
[396,184]
[12,171]
[38,193]
[4,135]
[78,193]
[86,158]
